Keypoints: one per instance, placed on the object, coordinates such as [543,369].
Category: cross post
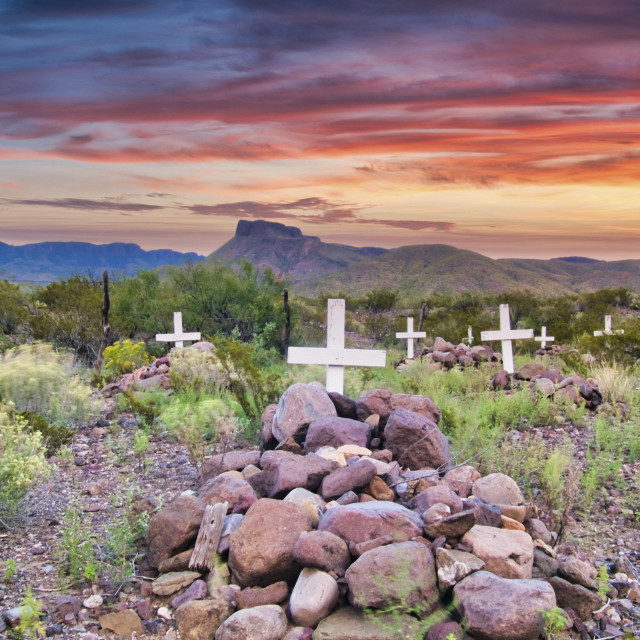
[409,335]
[543,338]
[607,329]
[469,339]
[506,335]
[178,336]
[335,356]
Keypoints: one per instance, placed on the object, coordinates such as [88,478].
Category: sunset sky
[506,127]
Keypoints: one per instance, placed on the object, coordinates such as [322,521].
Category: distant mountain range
[313,266]
[45,262]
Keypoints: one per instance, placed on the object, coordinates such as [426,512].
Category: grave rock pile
[551,382]
[156,374]
[447,355]
[369,515]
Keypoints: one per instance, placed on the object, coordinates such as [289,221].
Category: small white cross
[543,338]
[469,338]
[607,329]
[506,335]
[409,336]
[335,356]
[178,335]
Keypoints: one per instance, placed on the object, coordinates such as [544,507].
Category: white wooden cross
[335,356]
[469,338]
[543,338]
[409,335]
[178,335]
[506,335]
[607,329]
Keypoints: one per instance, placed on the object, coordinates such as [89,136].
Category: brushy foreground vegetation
[51,336]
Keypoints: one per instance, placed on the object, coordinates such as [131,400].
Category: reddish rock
[495,608]
[299,406]
[498,488]
[228,461]
[323,550]
[260,549]
[484,514]
[368,520]
[416,441]
[501,381]
[574,596]
[257,596]
[383,403]
[461,479]
[396,575]
[378,490]
[174,528]
[346,407]
[531,370]
[354,476]
[334,432]
[200,619]
[451,527]
[445,631]
[434,495]
[555,375]
[285,471]
[225,488]
[197,591]
[267,441]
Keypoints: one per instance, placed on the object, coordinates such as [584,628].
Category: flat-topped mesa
[264,228]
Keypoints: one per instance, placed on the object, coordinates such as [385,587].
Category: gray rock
[314,596]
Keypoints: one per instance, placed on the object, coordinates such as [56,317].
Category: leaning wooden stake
[106,329]
[204,553]
[423,308]
[287,326]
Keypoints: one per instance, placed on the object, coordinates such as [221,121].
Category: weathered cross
[607,329]
[335,356]
[409,335]
[543,338]
[506,335]
[469,338]
[178,335]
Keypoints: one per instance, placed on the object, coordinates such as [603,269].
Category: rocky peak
[262,228]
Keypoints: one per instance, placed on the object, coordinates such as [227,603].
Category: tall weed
[37,378]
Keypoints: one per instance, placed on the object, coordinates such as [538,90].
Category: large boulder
[399,575]
[354,476]
[267,622]
[299,406]
[225,488]
[416,441]
[284,471]
[323,550]
[364,521]
[531,370]
[382,403]
[261,548]
[174,527]
[200,619]
[498,488]
[495,608]
[507,553]
[574,596]
[228,461]
[314,596]
[351,624]
[335,432]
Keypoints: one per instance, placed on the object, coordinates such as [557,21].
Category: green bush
[39,379]
[196,370]
[124,357]
[22,460]
[53,436]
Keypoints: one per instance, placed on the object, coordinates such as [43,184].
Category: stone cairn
[353,523]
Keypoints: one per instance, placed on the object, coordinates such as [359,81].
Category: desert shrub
[199,421]
[196,370]
[13,307]
[54,436]
[75,550]
[145,405]
[124,357]
[22,460]
[39,379]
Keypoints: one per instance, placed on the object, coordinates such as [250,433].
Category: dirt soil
[104,470]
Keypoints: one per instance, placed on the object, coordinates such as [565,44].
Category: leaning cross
[409,336]
[335,356]
[506,335]
[177,336]
[469,338]
[543,338]
[607,329]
